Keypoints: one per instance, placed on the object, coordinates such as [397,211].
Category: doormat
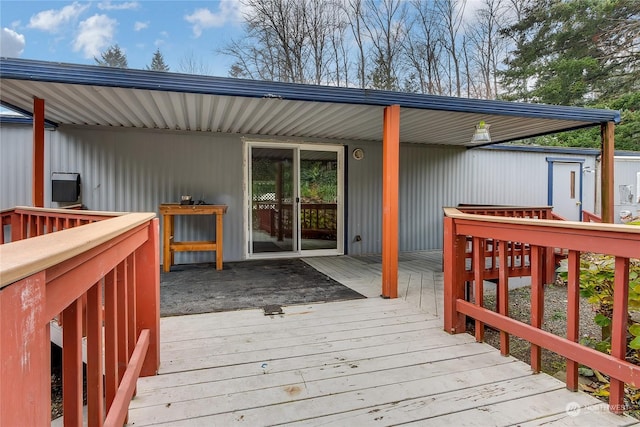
[200,288]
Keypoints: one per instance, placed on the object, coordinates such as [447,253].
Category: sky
[77,31]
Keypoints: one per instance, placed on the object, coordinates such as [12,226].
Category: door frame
[247,205]
[551,161]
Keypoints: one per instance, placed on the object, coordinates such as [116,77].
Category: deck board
[361,362]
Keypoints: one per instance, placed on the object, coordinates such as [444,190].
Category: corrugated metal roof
[93,95]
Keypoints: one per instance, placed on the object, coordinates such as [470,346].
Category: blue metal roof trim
[23,69]
[20,120]
[544,149]
[27,114]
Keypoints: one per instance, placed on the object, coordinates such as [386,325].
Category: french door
[294,200]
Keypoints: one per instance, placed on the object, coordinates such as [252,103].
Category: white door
[295,200]
[567,190]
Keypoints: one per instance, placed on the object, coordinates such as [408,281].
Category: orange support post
[390,185]
[147,280]
[25,378]
[607,135]
[38,153]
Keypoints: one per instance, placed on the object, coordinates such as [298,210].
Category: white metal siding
[16,149]
[626,171]
[137,170]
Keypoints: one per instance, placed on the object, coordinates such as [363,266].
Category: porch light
[481,133]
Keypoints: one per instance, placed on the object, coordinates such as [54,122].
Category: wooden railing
[24,222]
[518,255]
[590,217]
[112,264]
[620,241]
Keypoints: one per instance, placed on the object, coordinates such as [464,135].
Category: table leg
[166,249]
[219,249]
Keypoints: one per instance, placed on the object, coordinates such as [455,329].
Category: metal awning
[114,97]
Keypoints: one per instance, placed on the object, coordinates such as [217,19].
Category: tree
[423,49]
[575,51]
[386,28]
[191,64]
[113,56]
[157,62]
[290,41]
[451,12]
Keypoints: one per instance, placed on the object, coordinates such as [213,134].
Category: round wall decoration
[358,153]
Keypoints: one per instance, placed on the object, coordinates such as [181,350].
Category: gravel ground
[555,321]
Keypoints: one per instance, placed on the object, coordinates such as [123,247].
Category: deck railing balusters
[540,237]
[36,288]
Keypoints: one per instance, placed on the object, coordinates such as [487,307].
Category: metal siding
[626,172]
[16,149]
[137,170]
[365,199]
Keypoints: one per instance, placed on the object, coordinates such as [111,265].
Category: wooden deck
[363,362]
[420,277]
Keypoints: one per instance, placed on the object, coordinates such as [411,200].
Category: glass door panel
[318,199]
[273,218]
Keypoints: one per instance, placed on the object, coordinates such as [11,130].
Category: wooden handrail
[576,225]
[26,257]
[113,269]
[590,217]
[620,241]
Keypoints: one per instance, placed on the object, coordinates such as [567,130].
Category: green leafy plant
[597,284]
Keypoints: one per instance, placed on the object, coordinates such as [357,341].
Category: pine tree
[157,62]
[113,57]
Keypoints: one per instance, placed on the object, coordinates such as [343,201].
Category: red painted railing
[518,254]
[620,241]
[112,264]
[590,217]
[25,222]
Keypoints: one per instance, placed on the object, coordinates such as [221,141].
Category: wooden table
[169,211]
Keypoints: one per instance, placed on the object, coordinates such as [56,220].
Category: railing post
[573,313]
[25,377]
[619,329]
[537,303]
[454,259]
[147,284]
[72,363]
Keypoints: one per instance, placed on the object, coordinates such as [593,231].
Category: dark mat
[200,288]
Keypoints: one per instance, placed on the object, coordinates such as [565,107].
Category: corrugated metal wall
[16,150]
[136,170]
[432,177]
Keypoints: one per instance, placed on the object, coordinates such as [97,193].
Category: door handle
[578,203]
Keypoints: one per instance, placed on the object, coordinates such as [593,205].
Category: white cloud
[202,19]
[138,26]
[11,43]
[127,5]
[53,20]
[94,34]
